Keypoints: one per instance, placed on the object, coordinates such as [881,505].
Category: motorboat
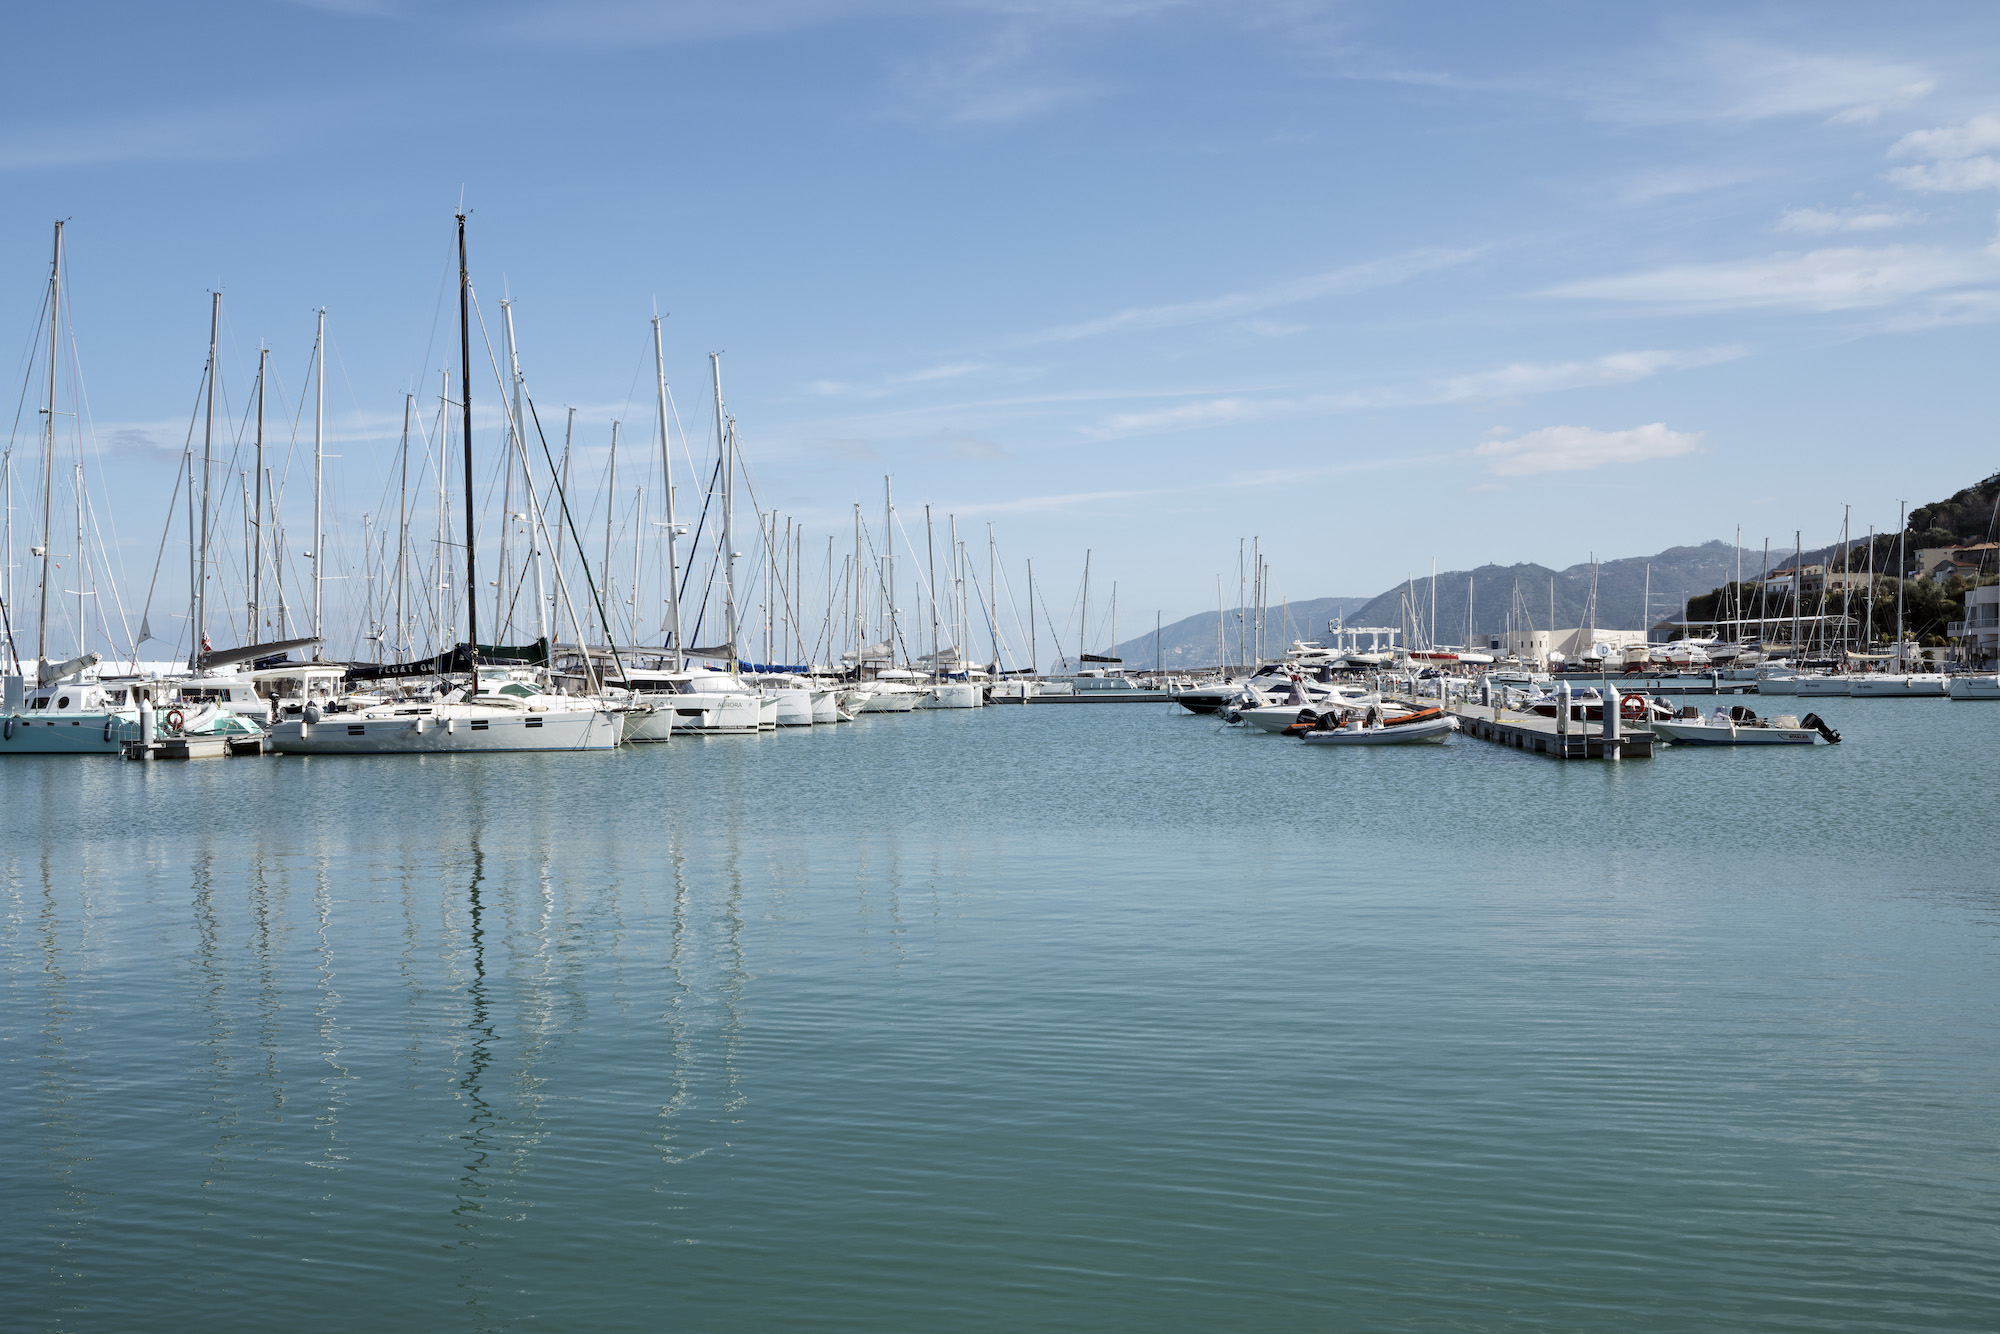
[1738,726]
[1374,727]
[1304,696]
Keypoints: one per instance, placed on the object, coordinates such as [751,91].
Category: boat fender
[312,713]
[107,729]
[8,729]
[174,718]
[1633,706]
[1818,724]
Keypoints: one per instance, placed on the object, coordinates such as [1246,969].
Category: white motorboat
[1740,727]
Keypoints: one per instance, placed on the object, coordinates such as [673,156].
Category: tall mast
[959,636]
[1798,583]
[1846,564]
[1034,656]
[319,480]
[1902,569]
[1083,639]
[519,432]
[257,510]
[856,616]
[207,462]
[465,404]
[49,455]
[403,533]
[722,433]
[667,485]
[610,509]
[889,567]
[930,559]
[1868,599]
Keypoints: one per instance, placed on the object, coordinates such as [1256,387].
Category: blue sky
[1380,284]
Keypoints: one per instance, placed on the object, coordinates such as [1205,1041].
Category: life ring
[1633,706]
[173,718]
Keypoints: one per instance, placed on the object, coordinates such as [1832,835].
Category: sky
[1376,284]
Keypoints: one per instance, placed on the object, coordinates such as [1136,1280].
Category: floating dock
[1528,731]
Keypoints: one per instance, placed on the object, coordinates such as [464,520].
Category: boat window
[41,702]
[63,703]
[517,690]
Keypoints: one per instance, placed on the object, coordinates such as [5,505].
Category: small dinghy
[1355,727]
[1738,726]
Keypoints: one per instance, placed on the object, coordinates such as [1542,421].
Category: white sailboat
[504,708]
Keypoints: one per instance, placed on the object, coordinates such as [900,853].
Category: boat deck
[1527,731]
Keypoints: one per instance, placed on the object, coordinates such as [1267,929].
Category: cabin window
[534,722]
[63,703]
[517,690]
[353,730]
[40,703]
[479,724]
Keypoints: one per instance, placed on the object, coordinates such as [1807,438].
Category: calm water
[1092,1018]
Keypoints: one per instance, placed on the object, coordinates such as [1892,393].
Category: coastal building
[1981,627]
[1536,646]
[1976,554]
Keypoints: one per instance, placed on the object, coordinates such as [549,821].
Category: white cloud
[1821,221]
[1238,305]
[1580,448]
[1181,418]
[1952,159]
[1616,368]
[1840,279]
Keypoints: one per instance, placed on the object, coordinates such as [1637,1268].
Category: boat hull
[1706,734]
[75,734]
[1887,686]
[1975,687]
[349,734]
[1433,732]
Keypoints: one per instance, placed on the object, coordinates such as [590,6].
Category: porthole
[63,703]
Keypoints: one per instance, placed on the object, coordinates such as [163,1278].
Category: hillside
[1677,572]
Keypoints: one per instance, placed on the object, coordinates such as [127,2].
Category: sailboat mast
[930,559]
[1902,570]
[465,407]
[610,509]
[49,454]
[855,615]
[667,483]
[200,648]
[728,517]
[1083,637]
[519,432]
[319,471]
[889,566]
[257,508]
[403,528]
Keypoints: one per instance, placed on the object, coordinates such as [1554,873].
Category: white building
[1981,627]
[1535,646]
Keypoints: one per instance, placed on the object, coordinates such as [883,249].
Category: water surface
[1091,1017]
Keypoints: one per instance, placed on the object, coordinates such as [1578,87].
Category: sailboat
[55,710]
[504,705]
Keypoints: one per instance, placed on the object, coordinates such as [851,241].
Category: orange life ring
[1633,706]
[174,718]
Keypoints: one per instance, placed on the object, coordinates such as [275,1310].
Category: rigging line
[28,371]
[179,471]
[574,539]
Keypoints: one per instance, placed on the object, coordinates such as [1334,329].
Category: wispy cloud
[1822,280]
[1581,448]
[1747,81]
[1251,301]
[1615,368]
[1952,159]
[1823,221]
[1045,504]
[172,136]
[669,22]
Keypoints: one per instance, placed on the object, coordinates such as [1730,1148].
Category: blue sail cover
[793,669]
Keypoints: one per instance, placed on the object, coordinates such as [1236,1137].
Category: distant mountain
[1496,591]
[1190,643]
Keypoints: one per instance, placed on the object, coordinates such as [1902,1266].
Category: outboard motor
[1818,724]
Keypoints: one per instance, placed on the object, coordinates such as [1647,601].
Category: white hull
[888,700]
[793,707]
[1272,717]
[716,713]
[826,706]
[1819,686]
[1434,732]
[952,695]
[1710,734]
[473,730]
[1975,687]
[652,720]
[1922,685]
